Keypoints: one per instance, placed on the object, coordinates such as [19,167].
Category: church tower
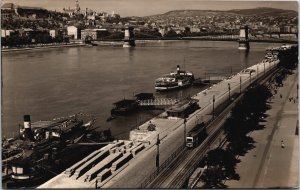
[77,7]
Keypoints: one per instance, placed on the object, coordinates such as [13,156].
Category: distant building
[274,29]
[286,29]
[5,33]
[73,12]
[7,14]
[93,34]
[70,12]
[10,10]
[195,29]
[178,30]
[56,33]
[162,31]
[294,29]
[8,6]
[74,32]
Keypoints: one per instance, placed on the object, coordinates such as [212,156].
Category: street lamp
[229,90]
[213,106]
[157,152]
[184,132]
[297,90]
[240,84]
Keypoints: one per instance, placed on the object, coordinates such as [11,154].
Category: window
[19,170]
[189,139]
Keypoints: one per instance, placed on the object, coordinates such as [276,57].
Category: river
[51,83]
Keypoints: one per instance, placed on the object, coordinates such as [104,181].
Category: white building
[5,33]
[74,32]
[53,33]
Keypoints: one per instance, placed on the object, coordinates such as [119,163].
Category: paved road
[269,165]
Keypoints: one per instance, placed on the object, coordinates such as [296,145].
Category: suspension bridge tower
[244,38]
[129,40]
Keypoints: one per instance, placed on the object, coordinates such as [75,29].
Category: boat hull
[167,88]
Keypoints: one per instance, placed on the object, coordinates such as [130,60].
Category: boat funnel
[27,122]
[27,127]
[178,69]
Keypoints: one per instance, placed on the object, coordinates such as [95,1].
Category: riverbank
[138,42]
[41,47]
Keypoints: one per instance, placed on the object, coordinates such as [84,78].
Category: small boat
[124,107]
[174,80]
[110,118]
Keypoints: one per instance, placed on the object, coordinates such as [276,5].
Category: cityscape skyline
[146,7]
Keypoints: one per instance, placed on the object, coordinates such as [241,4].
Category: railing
[165,164]
[158,101]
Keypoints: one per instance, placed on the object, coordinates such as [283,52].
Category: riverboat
[40,146]
[174,80]
[124,107]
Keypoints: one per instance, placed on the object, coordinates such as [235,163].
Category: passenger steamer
[43,146]
[174,80]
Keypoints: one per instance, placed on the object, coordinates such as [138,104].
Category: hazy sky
[150,7]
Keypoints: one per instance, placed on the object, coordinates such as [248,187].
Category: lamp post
[157,152]
[213,106]
[184,132]
[229,90]
[240,84]
[297,90]
[250,77]
[264,67]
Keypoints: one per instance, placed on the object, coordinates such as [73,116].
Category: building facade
[74,32]
[93,34]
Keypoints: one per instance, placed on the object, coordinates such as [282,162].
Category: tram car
[196,136]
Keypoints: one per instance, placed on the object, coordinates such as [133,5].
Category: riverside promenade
[172,136]
[272,164]
[42,47]
[170,131]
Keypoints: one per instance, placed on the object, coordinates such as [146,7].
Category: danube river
[58,82]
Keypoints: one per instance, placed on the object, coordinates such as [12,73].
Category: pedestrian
[282,144]
[294,101]
[280,95]
[96,184]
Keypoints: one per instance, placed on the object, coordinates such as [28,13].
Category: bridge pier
[129,40]
[244,39]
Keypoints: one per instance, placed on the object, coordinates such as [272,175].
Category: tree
[171,34]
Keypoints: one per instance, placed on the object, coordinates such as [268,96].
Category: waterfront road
[269,165]
[172,138]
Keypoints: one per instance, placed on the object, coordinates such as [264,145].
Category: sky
[151,7]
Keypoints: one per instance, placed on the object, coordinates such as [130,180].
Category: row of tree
[15,41]
[245,117]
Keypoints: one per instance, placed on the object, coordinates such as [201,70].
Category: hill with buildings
[260,11]
[265,11]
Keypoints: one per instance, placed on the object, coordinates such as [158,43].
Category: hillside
[264,11]
[261,11]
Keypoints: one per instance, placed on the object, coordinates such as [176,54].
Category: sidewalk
[269,165]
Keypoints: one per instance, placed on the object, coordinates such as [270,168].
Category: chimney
[27,127]
[178,69]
